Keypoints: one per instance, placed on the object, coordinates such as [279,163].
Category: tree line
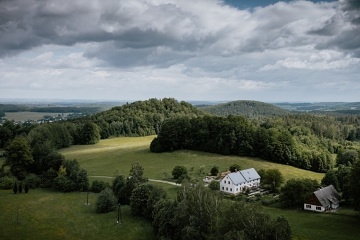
[237,135]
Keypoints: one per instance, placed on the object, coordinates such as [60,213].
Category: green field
[45,214]
[115,156]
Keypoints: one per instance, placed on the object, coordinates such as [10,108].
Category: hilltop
[245,108]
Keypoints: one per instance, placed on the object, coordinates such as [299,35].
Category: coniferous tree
[15,188]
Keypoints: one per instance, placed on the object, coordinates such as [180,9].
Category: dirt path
[150,180]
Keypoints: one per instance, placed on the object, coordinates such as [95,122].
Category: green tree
[136,173]
[296,191]
[139,198]
[26,188]
[235,167]
[214,171]
[330,178]
[89,133]
[214,185]
[347,157]
[15,188]
[355,185]
[106,201]
[272,179]
[179,171]
[19,157]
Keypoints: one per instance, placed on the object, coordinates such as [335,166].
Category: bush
[6,182]
[98,186]
[179,171]
[214,185]
[32,180]
[214,171]
[63,184]
[235,167]
[106,201]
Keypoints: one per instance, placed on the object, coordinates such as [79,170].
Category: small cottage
[324,199]
[239,181]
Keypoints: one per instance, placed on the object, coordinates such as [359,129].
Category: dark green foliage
[76,178]
[106,201]
[199,213]
[141,118]
[179,171]
[214,185]
[136,173]
[89,133]
[214,171]
[347,157]
[250,109]
[15,187]
[271,140]
[296,191]
[272,179]
[97,186]
[234,168]
[139,198]
[355,185]
[20,187]
[26,188]
[331,178]
[19,157]
[7,182]
[118,187]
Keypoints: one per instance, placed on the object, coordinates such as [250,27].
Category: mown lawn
[344,224]
[115,156]
[45,214]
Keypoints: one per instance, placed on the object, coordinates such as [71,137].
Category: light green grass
[44,214]
[342,225]
[115,156]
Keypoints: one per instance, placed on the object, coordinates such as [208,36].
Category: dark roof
[326,195]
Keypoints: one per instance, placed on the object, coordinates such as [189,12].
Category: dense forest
[250,109]
[141,118]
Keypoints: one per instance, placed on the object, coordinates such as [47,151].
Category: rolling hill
[245,108]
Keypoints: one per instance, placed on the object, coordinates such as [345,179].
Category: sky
[213,50]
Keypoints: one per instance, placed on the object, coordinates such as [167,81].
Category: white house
[239,181]
[322,200]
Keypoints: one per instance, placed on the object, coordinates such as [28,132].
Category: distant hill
[141,118]
[328,108]
[245,108]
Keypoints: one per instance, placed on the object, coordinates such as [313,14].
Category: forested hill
[245,108]
[142,118]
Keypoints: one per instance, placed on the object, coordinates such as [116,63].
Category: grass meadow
[45,214]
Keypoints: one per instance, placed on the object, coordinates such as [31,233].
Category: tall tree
[19,157]
[355,185]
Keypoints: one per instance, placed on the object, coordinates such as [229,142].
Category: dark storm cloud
[344,29]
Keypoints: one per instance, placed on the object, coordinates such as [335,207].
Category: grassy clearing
[115,156]
[44,214]
[310,225]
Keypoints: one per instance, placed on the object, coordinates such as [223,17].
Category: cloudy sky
[261,50]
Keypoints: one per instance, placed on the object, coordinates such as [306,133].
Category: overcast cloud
[189,50]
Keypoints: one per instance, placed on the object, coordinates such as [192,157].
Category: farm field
[115,156]
[24,116]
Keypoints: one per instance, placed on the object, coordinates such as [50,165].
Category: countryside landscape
[180,119]
[57,209]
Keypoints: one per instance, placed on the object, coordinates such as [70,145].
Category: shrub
[214,171]
[6,182]
[214,185]
[63,184]
[179,171]
[98,186]
[106,201]
[32,180]
[235,167]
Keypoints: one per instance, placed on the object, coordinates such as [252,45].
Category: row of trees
[238,136]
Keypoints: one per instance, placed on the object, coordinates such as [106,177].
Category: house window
[228,182]
[227,189]
[225,181]
[318,208]
[237,189]
[222,188]
[230,189]
[308,206]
